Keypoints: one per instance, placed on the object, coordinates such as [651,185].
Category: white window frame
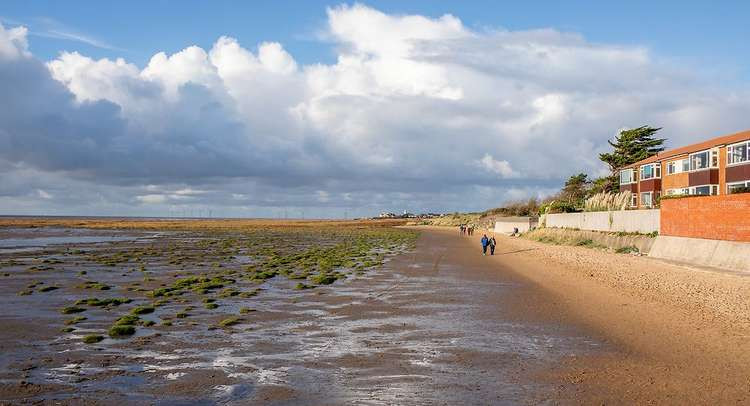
[712,187]
[655,171]
[632,176]
[677,166]
[651,198]
[633,199]
[747,153]
[744,183]
[678,191]
[708,161]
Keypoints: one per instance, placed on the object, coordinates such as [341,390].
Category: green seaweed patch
[40,268]
[48,288]
[211,306]
[67,330]
[166,323]
[127,320]
[324,279]
[93,285]
[182,314]
[302,286]
[250,293]
[75,320]
[25,292]
[231,321]
[142,310]
[148,323]
[96,302]
[228,292]
[246,310]
[72,310]
[121,331]
[93,338]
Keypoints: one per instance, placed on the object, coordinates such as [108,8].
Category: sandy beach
[681,332]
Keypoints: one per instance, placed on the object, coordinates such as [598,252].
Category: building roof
[714,142]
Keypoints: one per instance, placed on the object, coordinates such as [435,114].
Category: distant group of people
[466,229]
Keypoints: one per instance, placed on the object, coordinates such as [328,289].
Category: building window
[680,191]
[633,200]
[738,153]
[650,171]
[699,160]
[646,200]
[626,177]
[731,187]
[705,190]
[678,166]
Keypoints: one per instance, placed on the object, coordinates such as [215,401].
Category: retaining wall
[697,251]
[723,217]
[506,225]
[629,221]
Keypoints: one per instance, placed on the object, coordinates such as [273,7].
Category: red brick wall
[724,217]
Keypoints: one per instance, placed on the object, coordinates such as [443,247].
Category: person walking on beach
[492,243]
[485,243]
[461,229]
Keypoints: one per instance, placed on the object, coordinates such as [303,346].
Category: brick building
[713,167]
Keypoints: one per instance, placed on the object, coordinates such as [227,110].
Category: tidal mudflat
[325,314]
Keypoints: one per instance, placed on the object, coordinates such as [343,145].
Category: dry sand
[683,333]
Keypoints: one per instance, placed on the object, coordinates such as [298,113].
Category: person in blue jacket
[485,243]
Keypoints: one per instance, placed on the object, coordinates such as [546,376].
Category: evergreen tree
[576,189]
[630,146]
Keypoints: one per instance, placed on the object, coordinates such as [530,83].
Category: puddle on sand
[39,238]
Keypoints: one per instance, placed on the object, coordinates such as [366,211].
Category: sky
[327,109]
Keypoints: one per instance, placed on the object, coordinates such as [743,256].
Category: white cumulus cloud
[501,168]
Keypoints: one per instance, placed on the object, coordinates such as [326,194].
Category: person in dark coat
[492,243]
[485,243]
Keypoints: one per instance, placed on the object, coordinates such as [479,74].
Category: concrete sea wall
[698,251]
[629,221]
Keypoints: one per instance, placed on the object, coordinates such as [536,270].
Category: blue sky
[697,32]
[258,109]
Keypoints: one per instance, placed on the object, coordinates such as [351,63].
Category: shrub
[558,206]
[627,250]
[517,208]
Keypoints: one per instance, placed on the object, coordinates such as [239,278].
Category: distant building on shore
[407,215]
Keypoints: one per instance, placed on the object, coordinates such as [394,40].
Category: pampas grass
[608,202]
